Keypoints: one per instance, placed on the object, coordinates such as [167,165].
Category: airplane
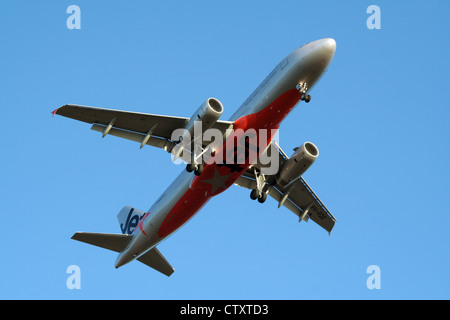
[288,84]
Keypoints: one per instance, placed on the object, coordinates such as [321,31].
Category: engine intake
[208,114]
[296,166]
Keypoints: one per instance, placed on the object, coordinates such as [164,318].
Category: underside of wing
[125,120]
[147,129]
[298,197]
[301,200]
[156,260]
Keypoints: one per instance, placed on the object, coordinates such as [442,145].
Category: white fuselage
[266,107]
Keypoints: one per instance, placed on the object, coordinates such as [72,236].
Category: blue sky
[379,118]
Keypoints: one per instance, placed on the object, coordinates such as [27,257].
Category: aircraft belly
[189,193]
[183,210]
[217,177]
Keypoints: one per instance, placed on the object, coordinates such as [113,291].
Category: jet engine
[205,117]
[297,165]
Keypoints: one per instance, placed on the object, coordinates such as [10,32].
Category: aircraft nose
[312,60]
[328,44]
[324,49]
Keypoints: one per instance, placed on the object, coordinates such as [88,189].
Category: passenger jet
[261,114]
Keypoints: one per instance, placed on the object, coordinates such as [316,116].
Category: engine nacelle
[207,115]
[297,165]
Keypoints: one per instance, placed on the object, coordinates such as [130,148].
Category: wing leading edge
[147,129]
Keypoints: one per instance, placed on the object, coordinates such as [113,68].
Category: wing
[298,197]
[147,129]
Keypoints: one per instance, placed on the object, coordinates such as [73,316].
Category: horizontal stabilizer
[154,259]
[118,242]
[110,241]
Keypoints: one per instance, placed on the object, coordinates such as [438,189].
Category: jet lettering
[131,223]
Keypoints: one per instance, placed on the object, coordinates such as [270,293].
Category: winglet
[54,112]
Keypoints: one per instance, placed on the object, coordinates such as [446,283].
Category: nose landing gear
[305,97]
[303,89]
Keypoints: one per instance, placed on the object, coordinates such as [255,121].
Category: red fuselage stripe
[201,189]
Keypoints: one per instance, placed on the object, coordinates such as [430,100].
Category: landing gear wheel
[262,198]
[305,97]
[199,170]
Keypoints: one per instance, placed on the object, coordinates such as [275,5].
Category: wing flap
[147,129]
[299,199]
[249,183]
[158,142]
[126,120]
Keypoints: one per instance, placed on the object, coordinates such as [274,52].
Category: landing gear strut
[194,166]
[303,89]
[259,193]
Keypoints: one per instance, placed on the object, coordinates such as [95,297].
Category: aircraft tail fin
[110,241]
[129,219]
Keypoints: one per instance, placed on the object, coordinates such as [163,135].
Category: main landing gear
[260,192]
[197,168]
[194,166]
[261,197]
